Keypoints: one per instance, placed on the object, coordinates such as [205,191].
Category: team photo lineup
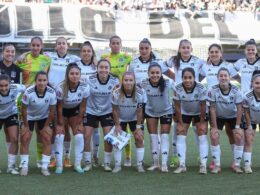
[67,99]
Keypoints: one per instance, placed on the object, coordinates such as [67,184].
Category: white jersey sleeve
[253,105]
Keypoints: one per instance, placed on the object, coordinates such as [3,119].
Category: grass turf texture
[129,182]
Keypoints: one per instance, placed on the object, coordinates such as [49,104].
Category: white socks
[59,139]
[67,149]
[11,160]
[247,158]
[154,141]
[204,149]
[216,152]
[139,156]
[181,148]
[45,161]
[174,139]
[164,148]
[95,142]
[78,148]
[87,157]
[117,156]
[238,153]
[24,160]
[107,158]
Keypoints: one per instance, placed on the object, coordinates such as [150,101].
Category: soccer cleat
[180,169]
[140,169]
[248,169]
[78,169]
[128,162]
[39,164]
[237,169]
[116,169]
[164,169]
[24,171]
[59,170]
[12,170]
[107,168]
[174,162]
[52,163]
[45,172]
[216,170]
[212,165]
[203,170]
[153,168]
[67,163]
[87,167]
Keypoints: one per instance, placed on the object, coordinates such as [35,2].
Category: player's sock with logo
[139,156]
[155,148]
[78,148]
[24,160]
[67,145]
[117,156]
[174,140]
[11,160]
[87,157]
[107,158]
[216,152]
[59,139]
[164,148]
[238,153]
[95,142]
[204,149]
[45,161]
[181,149]
[247,158]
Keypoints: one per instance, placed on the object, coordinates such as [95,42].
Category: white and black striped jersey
[140,67]
[226,104]
[190,101]
[127,105]
[38,106]
[58,67]
[74,97]
[194,62]
[157,103]
[8,102]
[210,71]
[86,70]
[245,70]
[100,99]
[253,104]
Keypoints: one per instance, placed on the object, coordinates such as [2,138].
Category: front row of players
[83,106]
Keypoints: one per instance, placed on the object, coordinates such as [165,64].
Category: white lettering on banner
[78,22]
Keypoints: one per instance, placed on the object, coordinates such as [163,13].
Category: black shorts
[92,120]
[194,118]
[10,121]
[70,112]
[165,119]
[244,125]
[230,121]
[132,125]
[39,123]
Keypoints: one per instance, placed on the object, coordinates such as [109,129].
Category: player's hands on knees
[139,134]
[80,128]
[24,130]
[47,130]
[59,129]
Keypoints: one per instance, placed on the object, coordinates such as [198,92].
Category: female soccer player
[9,117]
[141,64]
[184,59]
[251,105]
[8,67]
[190,105]
[30,63]
[71,95]
[119,62]
[158,108]
[226,109]
[128,101]
[247,65]
[38,104]
[99,109]
[88,66]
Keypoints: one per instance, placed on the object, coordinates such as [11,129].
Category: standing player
[88,67]
[9,117]
[119,62]
[226,109]
[99,109]
[59,62]
[71,95]
[190,105]
[182,60]
[158,108]
[251,106]
[38,104]
[30,63]
[128,101]
[8,67]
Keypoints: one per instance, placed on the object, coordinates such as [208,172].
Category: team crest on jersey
[43,65]
[46,100]
[192,64]
[12,97]
[196,95]
[79,95]
[183,96]
[121,59]
[109,88]
[231,98]
[67,60]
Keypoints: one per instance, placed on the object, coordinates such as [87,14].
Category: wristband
[237,126]
[139,126]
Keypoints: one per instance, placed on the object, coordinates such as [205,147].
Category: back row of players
[82,106]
